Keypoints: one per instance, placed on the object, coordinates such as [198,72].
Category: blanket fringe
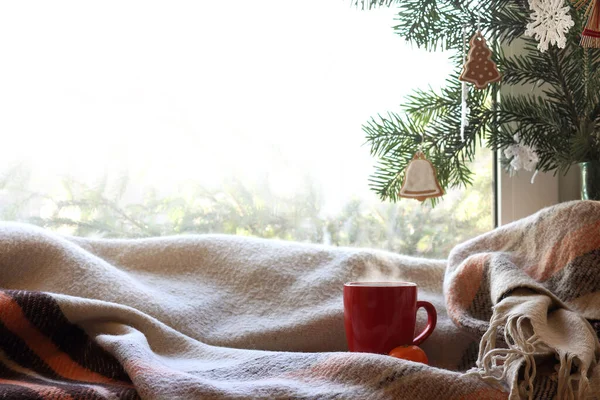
[494,364]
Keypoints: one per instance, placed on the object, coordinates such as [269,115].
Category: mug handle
[431,321]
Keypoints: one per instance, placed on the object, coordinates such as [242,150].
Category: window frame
[517,196]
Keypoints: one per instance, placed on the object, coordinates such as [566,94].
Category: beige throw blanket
[531,291]
[229,317]
[202,317]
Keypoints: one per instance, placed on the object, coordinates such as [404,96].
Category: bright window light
[167,96]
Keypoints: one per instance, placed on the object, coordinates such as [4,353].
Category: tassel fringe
[590,41]
[590,37]
[494,364]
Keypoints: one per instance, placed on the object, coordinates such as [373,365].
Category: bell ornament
[420,180]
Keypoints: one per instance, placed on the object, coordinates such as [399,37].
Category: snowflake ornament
[522,156]
[550,22]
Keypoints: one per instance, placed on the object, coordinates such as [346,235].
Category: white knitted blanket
[203,317]
[207,317]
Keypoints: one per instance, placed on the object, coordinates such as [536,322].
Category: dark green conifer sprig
[550,100]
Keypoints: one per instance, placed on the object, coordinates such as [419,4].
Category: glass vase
[590,180]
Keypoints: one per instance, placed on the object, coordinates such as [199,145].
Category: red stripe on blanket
[573,245]
[11,315]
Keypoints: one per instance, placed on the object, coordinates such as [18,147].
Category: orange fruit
[411,353]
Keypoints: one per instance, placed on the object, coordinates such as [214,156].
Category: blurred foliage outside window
[102,210]
[229,117]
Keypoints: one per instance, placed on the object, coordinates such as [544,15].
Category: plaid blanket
[530,293]
[46,356]
[218,316]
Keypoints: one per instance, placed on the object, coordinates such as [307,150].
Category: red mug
[380,316]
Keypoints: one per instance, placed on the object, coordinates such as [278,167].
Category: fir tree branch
[370,4]
[531,67]
[563,126]
[556,59]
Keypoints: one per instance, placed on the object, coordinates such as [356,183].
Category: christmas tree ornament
[522,156]
[579,4]
[590,37]
[420,179]
[464,112]
[550,21]
[479,68]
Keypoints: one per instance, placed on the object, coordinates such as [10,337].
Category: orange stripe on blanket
[11,315]
[465,284]
[487,394]
[44,391]
[573,245]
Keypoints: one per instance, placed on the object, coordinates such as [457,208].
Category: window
[132,119]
